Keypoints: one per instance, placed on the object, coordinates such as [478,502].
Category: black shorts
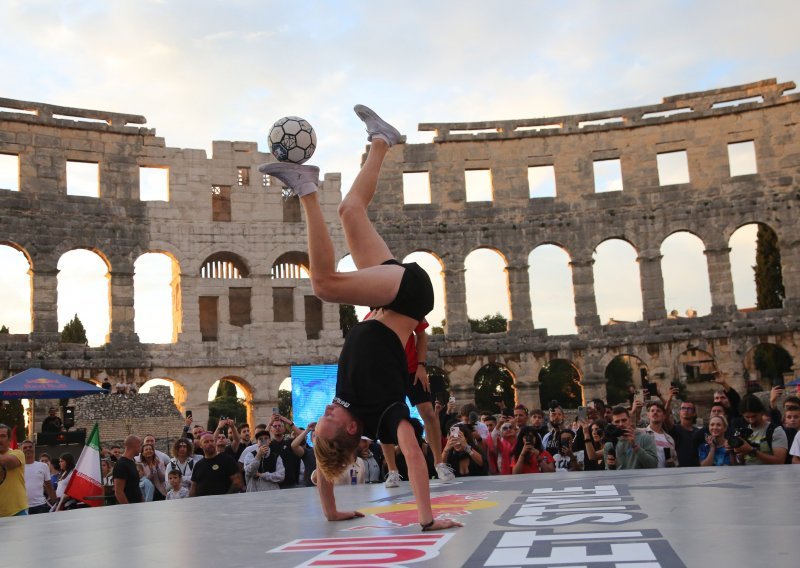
[415,295]
[416,393]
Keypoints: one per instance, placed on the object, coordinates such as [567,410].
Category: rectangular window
[607,175]
[313,306]
[209,318]
[283,304]
[416,187]
[9,172]
[153,184]
[220,203]
[291,210]
[541,181]
[239,305]
[243,176]
[673,167]
[83,178]
[742,158]
[266,181]
[478,184]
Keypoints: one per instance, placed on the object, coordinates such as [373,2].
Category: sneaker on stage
[301,179]
[392,479]
[377,127]
[445,473]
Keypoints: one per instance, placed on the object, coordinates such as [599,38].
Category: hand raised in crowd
[451,407]
[188,421]
[775,393]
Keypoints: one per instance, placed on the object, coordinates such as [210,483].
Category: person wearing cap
[372,470]
[265,471]
[552,440]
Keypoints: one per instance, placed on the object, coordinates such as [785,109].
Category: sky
[205,70]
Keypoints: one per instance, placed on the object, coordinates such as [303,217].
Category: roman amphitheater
[243,308]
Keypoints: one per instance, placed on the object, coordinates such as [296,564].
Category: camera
[737,439]
[613,432]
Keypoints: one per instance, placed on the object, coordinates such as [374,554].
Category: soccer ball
[292,139]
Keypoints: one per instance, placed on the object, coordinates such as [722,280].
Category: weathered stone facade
[44,223]
[712,206]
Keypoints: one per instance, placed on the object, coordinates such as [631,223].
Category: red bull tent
[38,383]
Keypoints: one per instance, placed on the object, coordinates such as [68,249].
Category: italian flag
[85,481]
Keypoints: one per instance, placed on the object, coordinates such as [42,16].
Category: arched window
[15,290]
[224,265]
[83,291]
[156,298]
[487,284]
[552,294]
[617,284]
[290,265]
[684,270]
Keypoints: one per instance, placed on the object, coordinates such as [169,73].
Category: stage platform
[718,516]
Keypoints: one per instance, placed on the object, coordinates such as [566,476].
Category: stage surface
[717,516]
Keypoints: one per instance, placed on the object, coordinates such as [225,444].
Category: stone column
[520,298]
[456,301]
[44,304]
[528,394]
[464,393]
[790,270]
[720,279]
[122,329]
[652,282]
[583,285]
[594,386]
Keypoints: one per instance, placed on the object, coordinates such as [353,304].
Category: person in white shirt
[37,481]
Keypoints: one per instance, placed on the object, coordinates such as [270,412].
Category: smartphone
[274,410]
[188,414]
[452,400]
[778,382]
[454,431]
[581,414]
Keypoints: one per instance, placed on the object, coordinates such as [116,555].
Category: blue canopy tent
[38,383]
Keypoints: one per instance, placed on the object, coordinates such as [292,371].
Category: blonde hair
[335,454]
[724,421]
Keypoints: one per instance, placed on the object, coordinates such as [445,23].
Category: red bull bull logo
[404,514]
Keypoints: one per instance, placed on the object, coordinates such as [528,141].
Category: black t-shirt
[687,443]
[126,469]
[291,463]
[371,380]
[52,424]
[213,475]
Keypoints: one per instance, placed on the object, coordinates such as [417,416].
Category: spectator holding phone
[528,455]
[715,451]
[265,471]
[627,447]
[594,459]
[462,452]
[566,459]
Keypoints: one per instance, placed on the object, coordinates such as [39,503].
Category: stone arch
[624,373]
[684,251]
[494,382]
[178,389]
[224,264]
[696,365]
[744,244]
[486,283]
[293,264]
[77,294]
[560,379]
[433,264]
[244,386]
[767,365]
[617,281]
[16,288]
[551,290]
[157,290]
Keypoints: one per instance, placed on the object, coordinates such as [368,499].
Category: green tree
[440,383]
[347,318]
[772,362]
[489,324]
[619,377]
[494,383]
[5,330]
[225,389]
[74,332]
[559,380]
[438,329]
[226,404]
[285,403]
[769,278]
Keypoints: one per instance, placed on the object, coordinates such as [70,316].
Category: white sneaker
[301,179]
[377,127]
[445,472]
[392,479]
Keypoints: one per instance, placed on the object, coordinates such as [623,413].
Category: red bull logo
[39,383]
[404,514]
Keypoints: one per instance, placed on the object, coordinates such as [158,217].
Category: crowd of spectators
[659,432]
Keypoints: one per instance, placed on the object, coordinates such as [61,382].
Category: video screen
[313,388]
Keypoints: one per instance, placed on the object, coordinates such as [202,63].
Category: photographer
[594,435]
[566,459]
[266,470]
[528,455]
[551,441]
[463,453]
[763,443]
[627,447]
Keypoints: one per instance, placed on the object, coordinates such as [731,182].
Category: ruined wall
[712,206]
[44,222]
